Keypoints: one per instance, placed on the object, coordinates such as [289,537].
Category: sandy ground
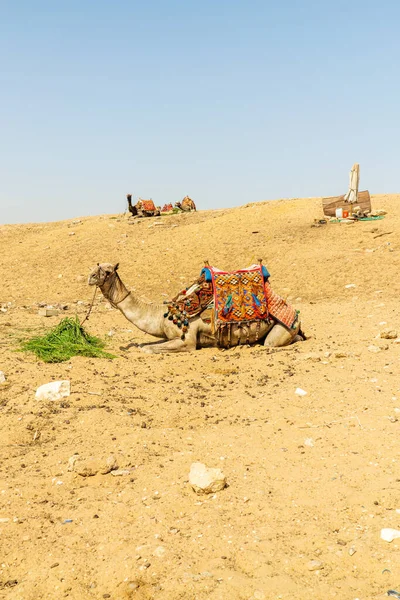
[312,480]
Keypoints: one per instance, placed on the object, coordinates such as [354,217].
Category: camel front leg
[279,336]
[173,346]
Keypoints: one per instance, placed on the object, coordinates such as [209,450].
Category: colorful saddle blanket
[147,205]
[237,297]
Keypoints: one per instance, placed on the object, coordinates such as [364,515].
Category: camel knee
[280,336]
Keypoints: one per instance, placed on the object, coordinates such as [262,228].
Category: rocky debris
[315,565]
[90,466]
[206,480]
[120,472]
[2,377]
[55,390]
[373,348]
[389,334]
[379,212]
[300,392]
[48,312]
[388,534]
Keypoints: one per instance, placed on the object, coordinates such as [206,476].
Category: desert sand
[312,480]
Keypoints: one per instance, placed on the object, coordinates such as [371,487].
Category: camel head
[101,273]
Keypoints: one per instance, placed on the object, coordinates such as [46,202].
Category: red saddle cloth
[148,205]
[244,296]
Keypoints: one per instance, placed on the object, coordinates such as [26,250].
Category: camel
[132,209]
[152,319]
[187,205]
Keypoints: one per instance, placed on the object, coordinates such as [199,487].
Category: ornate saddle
[226,298]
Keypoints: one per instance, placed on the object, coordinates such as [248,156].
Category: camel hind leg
[280,336]
[172,346]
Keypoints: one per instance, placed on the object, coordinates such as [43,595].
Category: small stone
[259,595]
[2,377]
[71,233]
[350,285]
[55,390]
[315,565]
[88,467]
[352,551]
[159,551]
[71,462]
[309,442]
[389,334]
[388,534]
[4,519]
[48,312]
[54,565]
[300,392]
[373,348]
[206,480]
[120,472]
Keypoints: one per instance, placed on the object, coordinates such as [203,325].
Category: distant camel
[132,209]
[187,204]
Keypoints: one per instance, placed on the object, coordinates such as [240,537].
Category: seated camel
[182,333]
[187,205]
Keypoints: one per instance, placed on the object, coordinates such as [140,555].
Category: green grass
[67,339]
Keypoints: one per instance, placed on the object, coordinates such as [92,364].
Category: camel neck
[114,290]
[147,317]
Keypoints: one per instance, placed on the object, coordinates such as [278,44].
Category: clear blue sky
[227,101]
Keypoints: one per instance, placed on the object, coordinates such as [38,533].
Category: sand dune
[312,480]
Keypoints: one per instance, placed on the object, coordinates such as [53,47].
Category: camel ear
[116,267]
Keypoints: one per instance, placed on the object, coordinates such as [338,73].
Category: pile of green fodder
[64,341]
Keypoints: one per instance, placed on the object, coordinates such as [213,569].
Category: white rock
[300,392]
[373,348]
[388,535]
[2,377]
[309,442]
[315,565]
[206,480]
[55,390]
[350,285]
[159,551]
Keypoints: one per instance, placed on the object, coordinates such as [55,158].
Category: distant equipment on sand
[349,201]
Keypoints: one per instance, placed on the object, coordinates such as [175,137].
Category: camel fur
[151,319]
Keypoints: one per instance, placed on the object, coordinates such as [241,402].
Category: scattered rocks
[88,467]
[315,565]
[373,348]
[48,312]
[206,480]
[389,334]
[388,535]
[55,390]
[120,472]
[300,392]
